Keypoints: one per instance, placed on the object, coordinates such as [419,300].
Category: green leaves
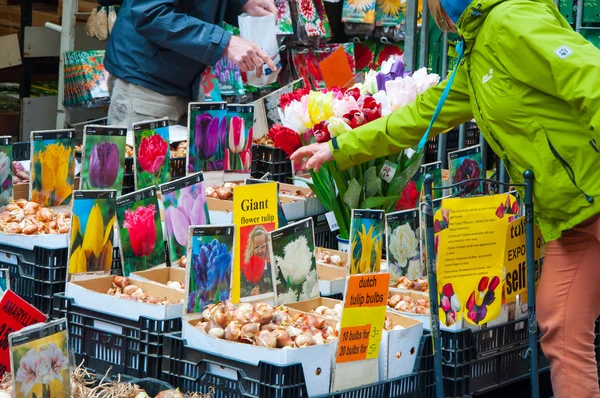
[352,195]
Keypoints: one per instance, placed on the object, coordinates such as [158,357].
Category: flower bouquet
[317,116]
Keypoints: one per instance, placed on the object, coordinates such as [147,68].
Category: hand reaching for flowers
[317,155]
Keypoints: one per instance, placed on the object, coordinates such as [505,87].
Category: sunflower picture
[92,231]
[366,241]
[359,11]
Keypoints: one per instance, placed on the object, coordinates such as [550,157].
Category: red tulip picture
[142,229]
[152,153]
[254,269]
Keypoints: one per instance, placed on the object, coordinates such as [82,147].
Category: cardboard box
[91,293]
[21,191]
[332,279]
[398,350]
[332,252]
[307,306]
[313,205]
[316,361]
[160,276]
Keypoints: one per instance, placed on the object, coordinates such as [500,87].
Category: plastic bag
[90,25]
[102,24]
[263,32]
[112,18]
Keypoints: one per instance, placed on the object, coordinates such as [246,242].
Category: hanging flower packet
[388,13]
[284,18]
[359,11]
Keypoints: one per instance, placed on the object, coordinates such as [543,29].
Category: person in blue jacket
[158,49]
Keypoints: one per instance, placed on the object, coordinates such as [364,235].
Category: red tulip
[515,207]
[227,165]
[354,118]
[494,283]
[445,303]
[448,290]
[507,204]
[371,109]
[250,135]
[285,139]
[321,131]
[483,283]
[437,227]
[500,211]
[353,92]
[254,269]
[472,316]
[152,153]
[142,229]
[471,302]
[409,198]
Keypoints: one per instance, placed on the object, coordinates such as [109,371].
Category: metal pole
[502,176]
[25,79]
[433,289]
[67,43]
[410,39]
[445,56]
[424,48]
[462,131]
[579,16]
[530,248]
[484,151]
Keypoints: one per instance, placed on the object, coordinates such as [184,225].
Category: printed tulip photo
[293,251]
[238,155]
[256,273]
[207,136]
[40,367]
[103,162]
[403,245]
[152,157]
[210,269]
[52,171]
[6,184]
[140,228]
[480,300]
[466,164]
[366,241]
[450,305]
[183,208]
[92,233]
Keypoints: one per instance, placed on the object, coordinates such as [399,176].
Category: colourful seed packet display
[39,357]
[388,13]
[140,229]
[292,254]
[103,158]
[403,245]
[52,167]
[240,121]
[209,266]
[284,18]
[6,183]
[466,164]
[359,11]
[184,201]
[152,153]
[366,240]
[207,139]
[92,231]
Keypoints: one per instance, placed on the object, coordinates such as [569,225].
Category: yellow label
[254,215]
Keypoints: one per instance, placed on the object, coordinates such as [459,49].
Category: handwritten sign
[363,317]
[15,314]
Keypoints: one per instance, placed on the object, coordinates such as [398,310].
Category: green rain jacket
[533,86]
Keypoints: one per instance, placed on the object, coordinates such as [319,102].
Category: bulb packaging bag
[263,32]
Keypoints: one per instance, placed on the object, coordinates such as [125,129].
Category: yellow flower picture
[52,170]
[366,241]
[389,7]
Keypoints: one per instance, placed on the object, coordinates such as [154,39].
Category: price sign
[363,317]
[333,225]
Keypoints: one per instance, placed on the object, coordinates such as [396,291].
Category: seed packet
[326,27]
[140,230]
[240,121]
[209,266]
[403,245]
[284,18]
[306,62]
[4,280]
[184,201]
[388,13]
[39,356]
[366,240]
[364,53]
[466,164]
[92,228]
[6,182]
[359,11]
[309,23]
[228,76]
[152,153]
[52,167]
[103,158]
[292,255]
[207,136]
[385,51]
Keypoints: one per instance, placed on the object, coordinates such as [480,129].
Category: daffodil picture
[184,201]
[359,11]
[92,231]
[366,241]
[152,153]
[209,266]
[207,141]
[240,122]
[39,360]
[52,167]
[103,160]
[140,231]
[403,245]
[293,255]
[6,184]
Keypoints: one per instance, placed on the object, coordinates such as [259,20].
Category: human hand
[247,55]
[260,8]
[317,155]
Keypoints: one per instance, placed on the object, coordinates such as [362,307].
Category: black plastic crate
[324,237]
[129,165]
[103,341]
[152,386]
[267,159]
[20,151]
[177,166]
[193,370]
[452,136]
[128,183]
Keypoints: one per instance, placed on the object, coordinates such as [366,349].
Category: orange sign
[354,343]
[335,69]
[368,290]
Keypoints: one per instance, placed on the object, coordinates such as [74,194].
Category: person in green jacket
[533,86]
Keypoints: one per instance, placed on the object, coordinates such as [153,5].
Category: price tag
[333,225]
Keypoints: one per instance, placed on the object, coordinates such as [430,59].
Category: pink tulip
[445,303]
[237,138]
[246,156]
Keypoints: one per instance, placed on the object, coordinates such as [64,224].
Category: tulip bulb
[217,332]
[305,340]
[232,331]
[266,339]
[269,326]
[246,310]
[262,313]
[130,289]
[120,281]
[394,300]
[313,321]
[319,340]
[250,330]
[292,331]
[281,317]
[283,338]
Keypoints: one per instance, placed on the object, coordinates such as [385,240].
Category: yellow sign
[515,260]
[363,317]
[254,215]
[470,233]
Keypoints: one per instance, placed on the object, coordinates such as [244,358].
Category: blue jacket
[164,45]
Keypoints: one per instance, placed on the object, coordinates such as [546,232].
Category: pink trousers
[568,304]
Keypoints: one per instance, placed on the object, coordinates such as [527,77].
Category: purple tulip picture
[104,165]
[103,158]
[206,136]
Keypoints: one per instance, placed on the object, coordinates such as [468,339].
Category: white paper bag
[263,32]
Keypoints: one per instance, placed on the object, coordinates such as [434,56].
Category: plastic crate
[324,237]
[267,159]
[20,151]
[128,184]
[104,341]
[177,166]
[196,371]
[152,386]
[591,10]
[452,136]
